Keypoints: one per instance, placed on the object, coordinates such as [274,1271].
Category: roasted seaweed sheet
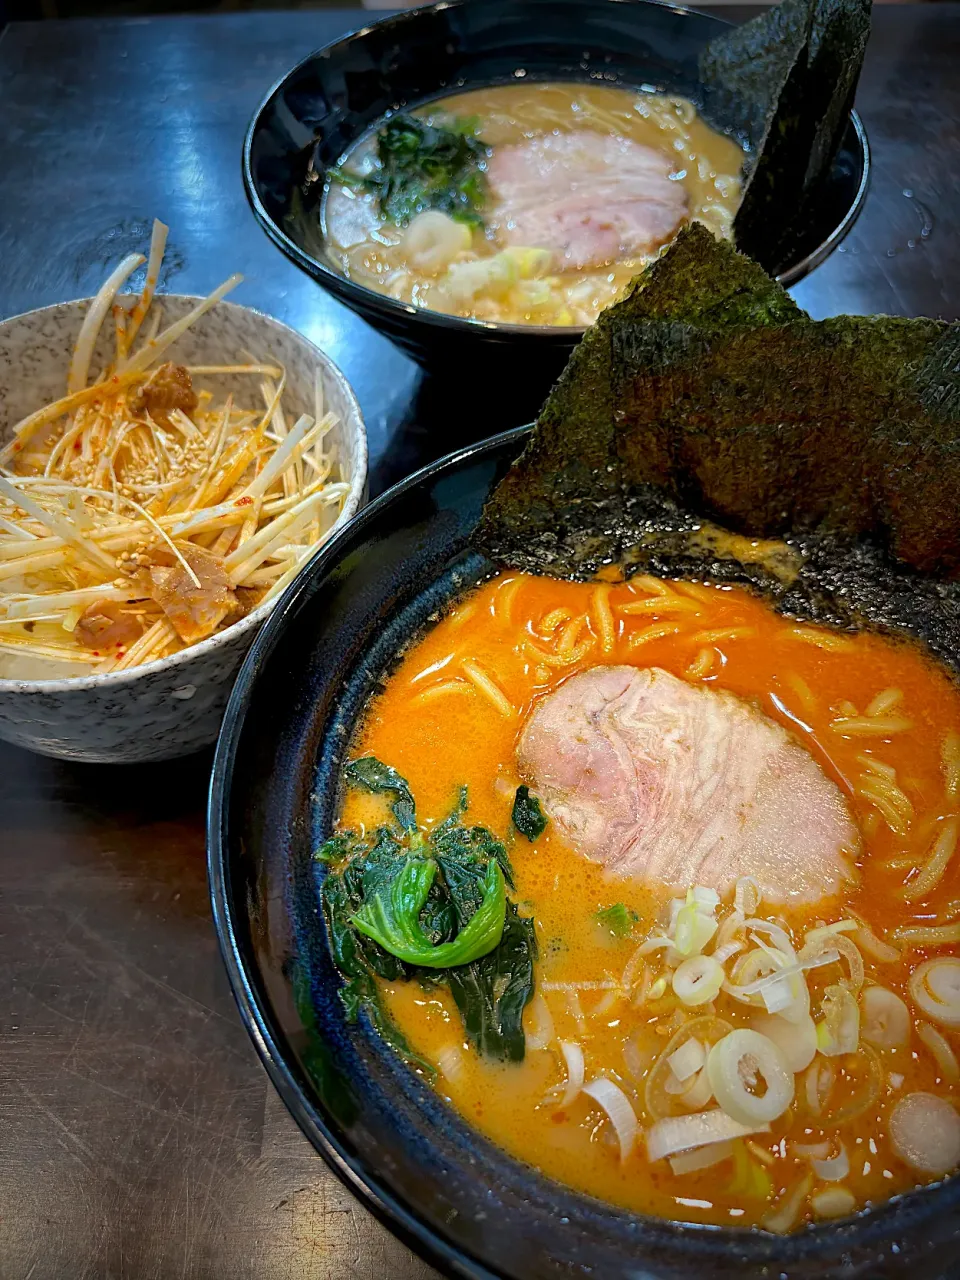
[785,81]
[706,412]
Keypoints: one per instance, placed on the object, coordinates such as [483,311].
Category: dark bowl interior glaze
[336,94]
[449,1192]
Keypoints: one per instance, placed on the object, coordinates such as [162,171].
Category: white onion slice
[705,898]
[825,930]
[750,989]
[777,935]
[818,1083]
[746,896]
[834,1169]
[925,1132]
[701,1158]
[573,1057]
[799,1009]
[820,942]
[811,1150]
[784,1217]
[698,980]
[729,930]
[834,1202]
[687,1060]
[699,1093]
[935,986]
[694,1094]
[839,1031]
[617,1106]
[654,943]
[942,1050]
[778,995]
[723,954]
[739,1055]
[540,1033]
[797,1041]
[885,1019]
[682,1133]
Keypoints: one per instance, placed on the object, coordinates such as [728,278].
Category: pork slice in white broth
[589,198]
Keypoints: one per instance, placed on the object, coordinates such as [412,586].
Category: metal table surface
[138,1134]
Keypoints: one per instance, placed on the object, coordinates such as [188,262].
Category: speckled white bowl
[173,706]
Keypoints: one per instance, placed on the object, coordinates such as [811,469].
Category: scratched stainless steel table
[138,1134]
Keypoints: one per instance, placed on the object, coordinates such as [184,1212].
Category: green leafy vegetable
[358,959]
[426,166]
[528,817]
[618,919]
[372,775]
[402,904]
[392,918]
[492,993]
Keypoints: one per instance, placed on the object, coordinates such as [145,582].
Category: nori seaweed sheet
[786,82]
[707,395]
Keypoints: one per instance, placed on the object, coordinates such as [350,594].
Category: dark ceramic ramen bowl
[456,1198]
[338,93]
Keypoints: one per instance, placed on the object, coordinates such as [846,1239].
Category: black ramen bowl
[460,1201]
[332,98]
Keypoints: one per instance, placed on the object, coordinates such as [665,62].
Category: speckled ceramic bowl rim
[113,679]
[342,284]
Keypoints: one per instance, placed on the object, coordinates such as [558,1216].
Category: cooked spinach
[401,904]
[492,993]
[618,919]
[357,958]
[528,817]
[426,166]
[368,772]
[391,917]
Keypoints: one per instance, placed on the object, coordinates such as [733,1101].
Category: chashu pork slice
[681,785]
[589,197]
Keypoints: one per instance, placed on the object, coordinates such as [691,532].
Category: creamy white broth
[484,272]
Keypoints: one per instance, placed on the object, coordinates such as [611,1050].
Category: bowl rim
[350,289]
[112,679]
[359,1175]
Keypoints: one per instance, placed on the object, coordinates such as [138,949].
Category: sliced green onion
[698,980]
[885,1018]
[797,1041]
[839,1030]
[736,1059]
[686,1133]
[687,1060]
[935,986]
[694,930]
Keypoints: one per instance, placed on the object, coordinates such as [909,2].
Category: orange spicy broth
[440,726]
